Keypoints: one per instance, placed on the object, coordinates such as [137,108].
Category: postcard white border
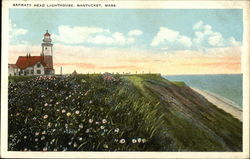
[245,5]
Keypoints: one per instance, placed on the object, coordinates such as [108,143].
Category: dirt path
[226,106]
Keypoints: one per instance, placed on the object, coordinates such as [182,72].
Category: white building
[35,65]
[13,70]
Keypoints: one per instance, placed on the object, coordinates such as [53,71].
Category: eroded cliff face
[192,122]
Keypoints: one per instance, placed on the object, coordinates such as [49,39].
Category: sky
[166,41]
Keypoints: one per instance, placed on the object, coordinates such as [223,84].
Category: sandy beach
[223,104]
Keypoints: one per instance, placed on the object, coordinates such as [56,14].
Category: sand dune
[223,104]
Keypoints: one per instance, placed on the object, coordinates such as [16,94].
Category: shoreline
[220,103]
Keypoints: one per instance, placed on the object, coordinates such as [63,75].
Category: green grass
[14,79]
[189,135]
[178,83]
[169,115]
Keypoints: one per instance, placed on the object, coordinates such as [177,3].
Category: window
[38,65]
[32,72]
[38,71]
[47,72]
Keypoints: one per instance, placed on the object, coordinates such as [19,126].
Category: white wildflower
[87,131]
[117,130]
[139,140]
[91,121]
[81,126]
[104,121]
[52,141]
[43,137]
[45,116]
[66,125]
[75,145]
[105,146]
[77,112]
[122,141]
[134,141]
[68,114]
[49,124]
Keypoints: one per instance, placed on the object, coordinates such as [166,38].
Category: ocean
[226,86]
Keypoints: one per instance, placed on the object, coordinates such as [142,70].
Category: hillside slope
[115,113]
[192,122]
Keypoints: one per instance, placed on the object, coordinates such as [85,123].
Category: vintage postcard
[125,79]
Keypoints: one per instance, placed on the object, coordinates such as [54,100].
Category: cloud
[135,33]
[216,39]
[167,37]
[198,25]
[76,35]
[234,42]
[185,41]
[93,35]
[115,39]
[205,36]
[14,31]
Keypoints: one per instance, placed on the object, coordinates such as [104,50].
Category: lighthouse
[47,46]
[35,65]
[47,53]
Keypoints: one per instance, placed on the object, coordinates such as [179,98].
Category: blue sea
[226,86]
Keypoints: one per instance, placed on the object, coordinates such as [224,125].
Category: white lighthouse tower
[47,53]
[47,45]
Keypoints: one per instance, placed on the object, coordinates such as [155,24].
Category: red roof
[47,34]
[27,61]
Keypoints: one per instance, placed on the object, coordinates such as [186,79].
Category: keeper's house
[35,65]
